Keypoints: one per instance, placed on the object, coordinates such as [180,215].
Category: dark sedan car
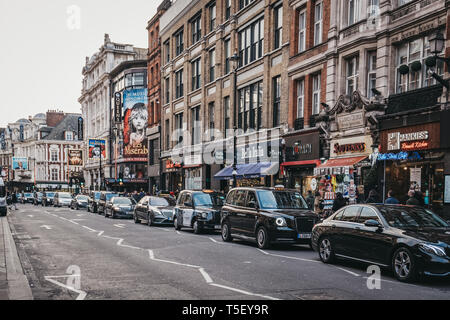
[199,210]
[119,207]
[409,240]
[155,210]
[94,198]
[105,197]
[47,198]
[80,201]
[37,200]
[27,198]
[267,215]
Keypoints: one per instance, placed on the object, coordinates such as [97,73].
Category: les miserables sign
[413,138]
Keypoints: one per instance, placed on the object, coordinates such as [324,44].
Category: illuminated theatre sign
[412,138]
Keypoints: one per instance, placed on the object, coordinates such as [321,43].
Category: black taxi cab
[198,210]
[267,215]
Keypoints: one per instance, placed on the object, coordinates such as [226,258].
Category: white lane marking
[113,238]
[152,257]
[100,233]
[81,294]
[81,215]
[266,253]
[120,226]
[74,222]
[243,292]
[288,257]
[30,215]
[205,275]
[78,219]
[92,230]
[348,271]
[178,232]
[119,243]
[213,240]
[46,227]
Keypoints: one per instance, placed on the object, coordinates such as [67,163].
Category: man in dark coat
[339,202]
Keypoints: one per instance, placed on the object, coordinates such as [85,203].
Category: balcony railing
[299,123]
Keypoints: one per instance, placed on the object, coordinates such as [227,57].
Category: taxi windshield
[207,200]
[281,200]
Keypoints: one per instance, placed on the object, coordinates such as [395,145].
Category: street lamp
[100,156]
[437,44]
[235,59]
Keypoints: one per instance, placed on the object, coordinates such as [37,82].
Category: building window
[196,73]
[167,87]
[353,11]
[352,74]
[250,107]
[179,90]
[411,54]
[212,17]
[244,3]
[167,51]
[179,127]
[300,99]
[227,49]
[211,120]
[374,7]
[316,94]
[54,156]
[402,2]
[278,33]
[167,134]
[276,100]
[212,65]
[54,174]
[196,28]
[227,114]
[318,15]
[302,31]
[251,42]
[179,44]
[195,125]
[227,9]
[371,73]
[69,136]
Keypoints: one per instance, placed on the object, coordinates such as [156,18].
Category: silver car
[62,199]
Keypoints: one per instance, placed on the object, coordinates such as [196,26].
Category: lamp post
[100,156]
[235,59]
[437,44]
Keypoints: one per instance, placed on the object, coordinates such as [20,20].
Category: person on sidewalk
[412,201]
[391,199]
[310,200]
[339,202]
[373,197]
[14,200]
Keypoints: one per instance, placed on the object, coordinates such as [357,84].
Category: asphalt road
[118,259]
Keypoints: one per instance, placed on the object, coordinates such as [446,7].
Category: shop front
[301,154]
[412,159]
[172,175]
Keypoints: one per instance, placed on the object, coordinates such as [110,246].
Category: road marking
[92,230]
[78,219]
[74,222]
[119,243]
[178,231]
[30,215]
[81,294]
[81,215]
[288,257]
[152,257]
[113,238]
[205,275]
[46,227]
[120,226]
[213,240]
[100,233]
[348,271]
[243,292]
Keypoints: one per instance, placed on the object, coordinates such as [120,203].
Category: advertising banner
[97,147]
[135,118]
[75,158]
[20,163]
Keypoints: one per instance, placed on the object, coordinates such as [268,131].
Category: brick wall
[54,118]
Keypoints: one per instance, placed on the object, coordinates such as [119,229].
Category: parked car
[409,240]
[267,215]
[47,198]
[94,197]
[19,197]
[120,207]
[199,210]
[62,199]
[80,201]
[104,197]
[27,198]
[37,198]
[155,210]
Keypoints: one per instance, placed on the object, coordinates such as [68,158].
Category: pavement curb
[18,286]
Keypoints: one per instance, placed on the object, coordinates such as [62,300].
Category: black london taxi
[199,210]
[105,197]
[267,215]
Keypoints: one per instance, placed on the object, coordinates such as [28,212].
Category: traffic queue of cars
[409,240]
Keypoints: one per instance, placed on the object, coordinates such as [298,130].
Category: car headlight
[116,209]
[281,222]
[432,249]
[157,212]
[204,215]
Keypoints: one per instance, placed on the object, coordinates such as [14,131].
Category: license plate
[217,226]
[304,235]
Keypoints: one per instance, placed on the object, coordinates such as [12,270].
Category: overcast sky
[43,48]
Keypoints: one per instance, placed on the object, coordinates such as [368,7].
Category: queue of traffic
[409,240]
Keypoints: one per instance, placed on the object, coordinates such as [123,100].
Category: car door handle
[333,226]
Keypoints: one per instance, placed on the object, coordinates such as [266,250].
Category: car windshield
[404,218]
[207,200]
[97,195]
[109,196]
[159,202]
[27,195]
[281,200]
[39,194]
[122,201]
[65,195]
[85,198]
[50,194]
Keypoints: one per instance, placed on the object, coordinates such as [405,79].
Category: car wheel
[113,216]
[149,220]
[404,265]
[175,223]
[262,238]
[326,252]
[196,227]
[226,232]
[136,220]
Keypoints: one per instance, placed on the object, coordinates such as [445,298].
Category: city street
[118,259]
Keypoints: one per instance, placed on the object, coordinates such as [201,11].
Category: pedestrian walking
[412,201]
[339,202]
[391,198]
[14,200]
[419,196]
[373,197]
[318,203]
[310,200]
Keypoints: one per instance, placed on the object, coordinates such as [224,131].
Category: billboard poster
[97,147]
[135,118]
[20,163]
[75,158]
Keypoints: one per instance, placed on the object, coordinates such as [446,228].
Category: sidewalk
[13,282]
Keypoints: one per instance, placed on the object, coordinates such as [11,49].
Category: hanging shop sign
[303,147]
[117,107]
[399,156]
[75,158]
[350,147]
[413,138]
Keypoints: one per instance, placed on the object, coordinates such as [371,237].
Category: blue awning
[249,171]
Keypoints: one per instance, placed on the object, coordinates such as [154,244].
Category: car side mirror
[373,224]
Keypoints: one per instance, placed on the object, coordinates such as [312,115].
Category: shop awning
[340,164]
[249,171]
[301,163]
